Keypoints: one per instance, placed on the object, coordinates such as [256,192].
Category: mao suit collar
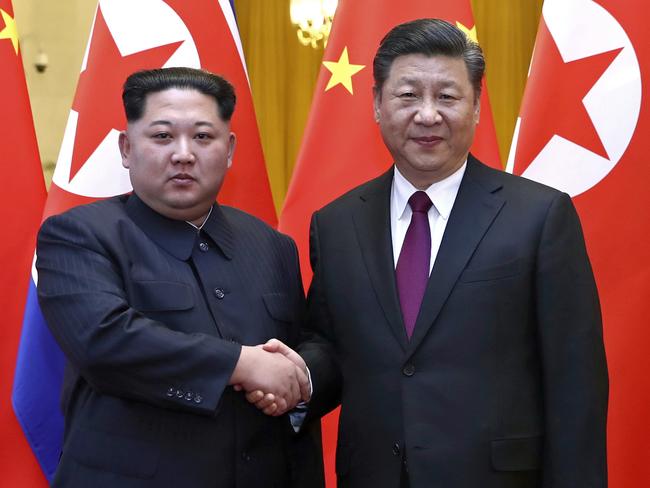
[177,237]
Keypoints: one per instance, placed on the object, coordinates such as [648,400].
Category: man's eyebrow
[160,122]
[168,122]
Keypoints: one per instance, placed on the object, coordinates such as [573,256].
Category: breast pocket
[156,296]
[489,273]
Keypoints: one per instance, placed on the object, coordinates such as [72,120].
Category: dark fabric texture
[151,315]
[504,381]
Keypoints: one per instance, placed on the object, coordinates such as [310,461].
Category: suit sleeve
[317,347]
[116,349]
[572,352]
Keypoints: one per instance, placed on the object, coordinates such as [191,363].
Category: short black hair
[431,37]
[141,83]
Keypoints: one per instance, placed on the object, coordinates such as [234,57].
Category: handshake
[273,375]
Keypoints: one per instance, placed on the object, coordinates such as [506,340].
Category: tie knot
[420,202]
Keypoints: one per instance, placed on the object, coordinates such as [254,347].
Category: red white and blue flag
[21,206]
[125,37]
[584,129]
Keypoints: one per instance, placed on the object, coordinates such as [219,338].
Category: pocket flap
[153,296]
[519,454]
[504,270]
[279,306]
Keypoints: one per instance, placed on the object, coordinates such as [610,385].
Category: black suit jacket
[152,316]
[503,383]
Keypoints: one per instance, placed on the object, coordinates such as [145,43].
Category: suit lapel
[474,210]
[372,224]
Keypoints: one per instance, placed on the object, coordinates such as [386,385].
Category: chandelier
[314,20]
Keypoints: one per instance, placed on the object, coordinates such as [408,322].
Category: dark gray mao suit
[151,316]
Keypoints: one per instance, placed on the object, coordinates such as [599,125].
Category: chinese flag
[21,205]
[342,146]
[584,129]
[125,37]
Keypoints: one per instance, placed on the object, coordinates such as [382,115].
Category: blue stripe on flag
[37,387]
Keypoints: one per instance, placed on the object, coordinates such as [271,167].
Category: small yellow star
[471,33]
[342,71]
[10,31]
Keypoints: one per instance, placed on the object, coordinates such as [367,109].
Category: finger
[274,345]
[303,382]
[238,387]
[282,406]
[267,401]
[254,396]
[271,409]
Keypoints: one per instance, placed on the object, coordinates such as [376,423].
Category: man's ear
[232,142]
[477,109]
[376,100]
[125,148]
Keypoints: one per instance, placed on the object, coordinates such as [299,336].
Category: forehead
[423,68]
[179,101]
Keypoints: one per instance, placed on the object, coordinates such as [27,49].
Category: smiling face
[178,153]
[427,113]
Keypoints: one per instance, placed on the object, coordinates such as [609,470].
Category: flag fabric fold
[21,206]
[342,146]
[583,129]
[127,36]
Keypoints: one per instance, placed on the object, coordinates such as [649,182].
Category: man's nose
[427,113]
[183,153]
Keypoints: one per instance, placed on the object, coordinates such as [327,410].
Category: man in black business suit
[158,300]
[480,362]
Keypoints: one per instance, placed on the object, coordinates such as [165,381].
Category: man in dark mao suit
[160,300]
[498,378]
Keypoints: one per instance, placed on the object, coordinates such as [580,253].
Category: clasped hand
[273,376]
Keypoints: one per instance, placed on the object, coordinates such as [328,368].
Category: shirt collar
[175,236]
[442,193]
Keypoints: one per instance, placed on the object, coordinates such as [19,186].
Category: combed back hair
[431,37]
[142,83]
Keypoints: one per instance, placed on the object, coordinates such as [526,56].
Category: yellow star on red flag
[342,71]
[471,33]
[10,31]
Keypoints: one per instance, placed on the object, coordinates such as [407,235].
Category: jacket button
[171,391]
[245,456]
[198,398]
[409,370]
[218,292]
[189,395]
[203,246]
[180,393]
[396,449]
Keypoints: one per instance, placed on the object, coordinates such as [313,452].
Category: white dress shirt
[442,195]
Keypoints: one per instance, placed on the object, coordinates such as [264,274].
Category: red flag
[126,36]
[21,204]
[583,129]
[342,146]
[153,34]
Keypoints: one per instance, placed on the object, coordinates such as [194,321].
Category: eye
[446,96]
[162,135]
[407,95]
[203,136]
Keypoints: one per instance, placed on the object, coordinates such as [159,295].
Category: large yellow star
[10,31]
[342,71]
[471,33]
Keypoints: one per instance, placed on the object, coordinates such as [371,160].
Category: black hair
[431,37]
[141,83]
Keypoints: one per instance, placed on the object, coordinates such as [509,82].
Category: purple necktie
[412,270]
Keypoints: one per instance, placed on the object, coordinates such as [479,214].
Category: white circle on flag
[582,28]
[135,26]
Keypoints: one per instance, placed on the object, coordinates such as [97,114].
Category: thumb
[276,345]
